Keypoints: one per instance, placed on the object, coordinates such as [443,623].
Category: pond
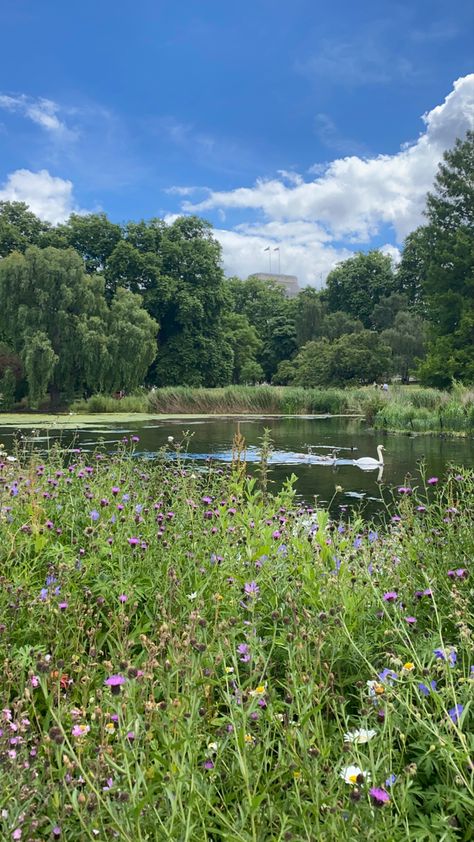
[301,445]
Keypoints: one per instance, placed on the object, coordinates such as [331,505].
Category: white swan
[367,463]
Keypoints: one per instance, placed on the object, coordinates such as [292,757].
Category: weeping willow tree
[57,319]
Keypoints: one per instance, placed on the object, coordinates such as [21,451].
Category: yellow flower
[110,728]
[228,670]
[259,691]
[218,597]
[249,739]
[408,667]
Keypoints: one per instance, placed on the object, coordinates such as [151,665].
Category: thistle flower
[115,682]
[379,796]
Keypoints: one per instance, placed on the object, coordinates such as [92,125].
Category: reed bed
[405,409]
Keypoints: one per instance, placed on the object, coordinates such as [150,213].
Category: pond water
[301,445]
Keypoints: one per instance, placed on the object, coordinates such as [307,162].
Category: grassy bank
[188,658]
[406,409]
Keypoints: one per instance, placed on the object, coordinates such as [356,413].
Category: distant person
[385,387]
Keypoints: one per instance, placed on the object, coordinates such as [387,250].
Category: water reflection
[321,453]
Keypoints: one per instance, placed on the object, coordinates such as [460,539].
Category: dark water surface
[299,442]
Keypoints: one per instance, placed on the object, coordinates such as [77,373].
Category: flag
[267,248]
[277,249]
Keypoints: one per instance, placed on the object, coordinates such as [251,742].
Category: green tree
[243,339]
[309,313]
[448,269]
[353,358]
[358,283]
[93,236]
[386,311]
[191,302]
[19,228]
[57,319]
[406,338]
[337,324]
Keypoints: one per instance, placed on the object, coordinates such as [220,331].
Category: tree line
[92,306]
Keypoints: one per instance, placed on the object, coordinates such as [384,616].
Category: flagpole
[278,250]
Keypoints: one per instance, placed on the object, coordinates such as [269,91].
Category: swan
[366,463]
[330,459]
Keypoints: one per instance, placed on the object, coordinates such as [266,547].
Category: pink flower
[433,480]
[390,596]
[80,730]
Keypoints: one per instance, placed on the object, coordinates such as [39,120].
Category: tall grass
[187,657]
[406,409]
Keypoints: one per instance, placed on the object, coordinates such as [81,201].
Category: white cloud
[44,112]
[304,250]
[49,197]
[352,198]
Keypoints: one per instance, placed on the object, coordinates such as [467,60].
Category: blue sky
[298,125]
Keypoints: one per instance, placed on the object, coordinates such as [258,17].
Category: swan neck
[380,454]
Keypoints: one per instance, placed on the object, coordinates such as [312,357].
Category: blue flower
[427,690]
[455,713]
[446,655]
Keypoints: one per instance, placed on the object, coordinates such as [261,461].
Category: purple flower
[251,589]
[372,536]
[56,831]
[208,764]
[390,596]
[123,597]
[243,650]
[410,620]
[433,480]
[427,690]
[94,515]
[133,541]
[390,780]
[115,682]
[421,508]
[379,796]
[62,606]
[455,713]
[135,438]
[460,573]
[404,489]
[357,543]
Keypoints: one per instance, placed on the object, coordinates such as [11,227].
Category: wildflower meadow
[189,657]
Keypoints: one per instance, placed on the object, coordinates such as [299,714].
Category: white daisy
[350,774]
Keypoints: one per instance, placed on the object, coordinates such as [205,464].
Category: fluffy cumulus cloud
[49,197]
[352,200]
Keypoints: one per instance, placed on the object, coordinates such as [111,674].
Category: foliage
[174,672]
[57,319]
[357,284]
[353,358]
[7,390]
[19,227]
[406,339]
[448,269]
